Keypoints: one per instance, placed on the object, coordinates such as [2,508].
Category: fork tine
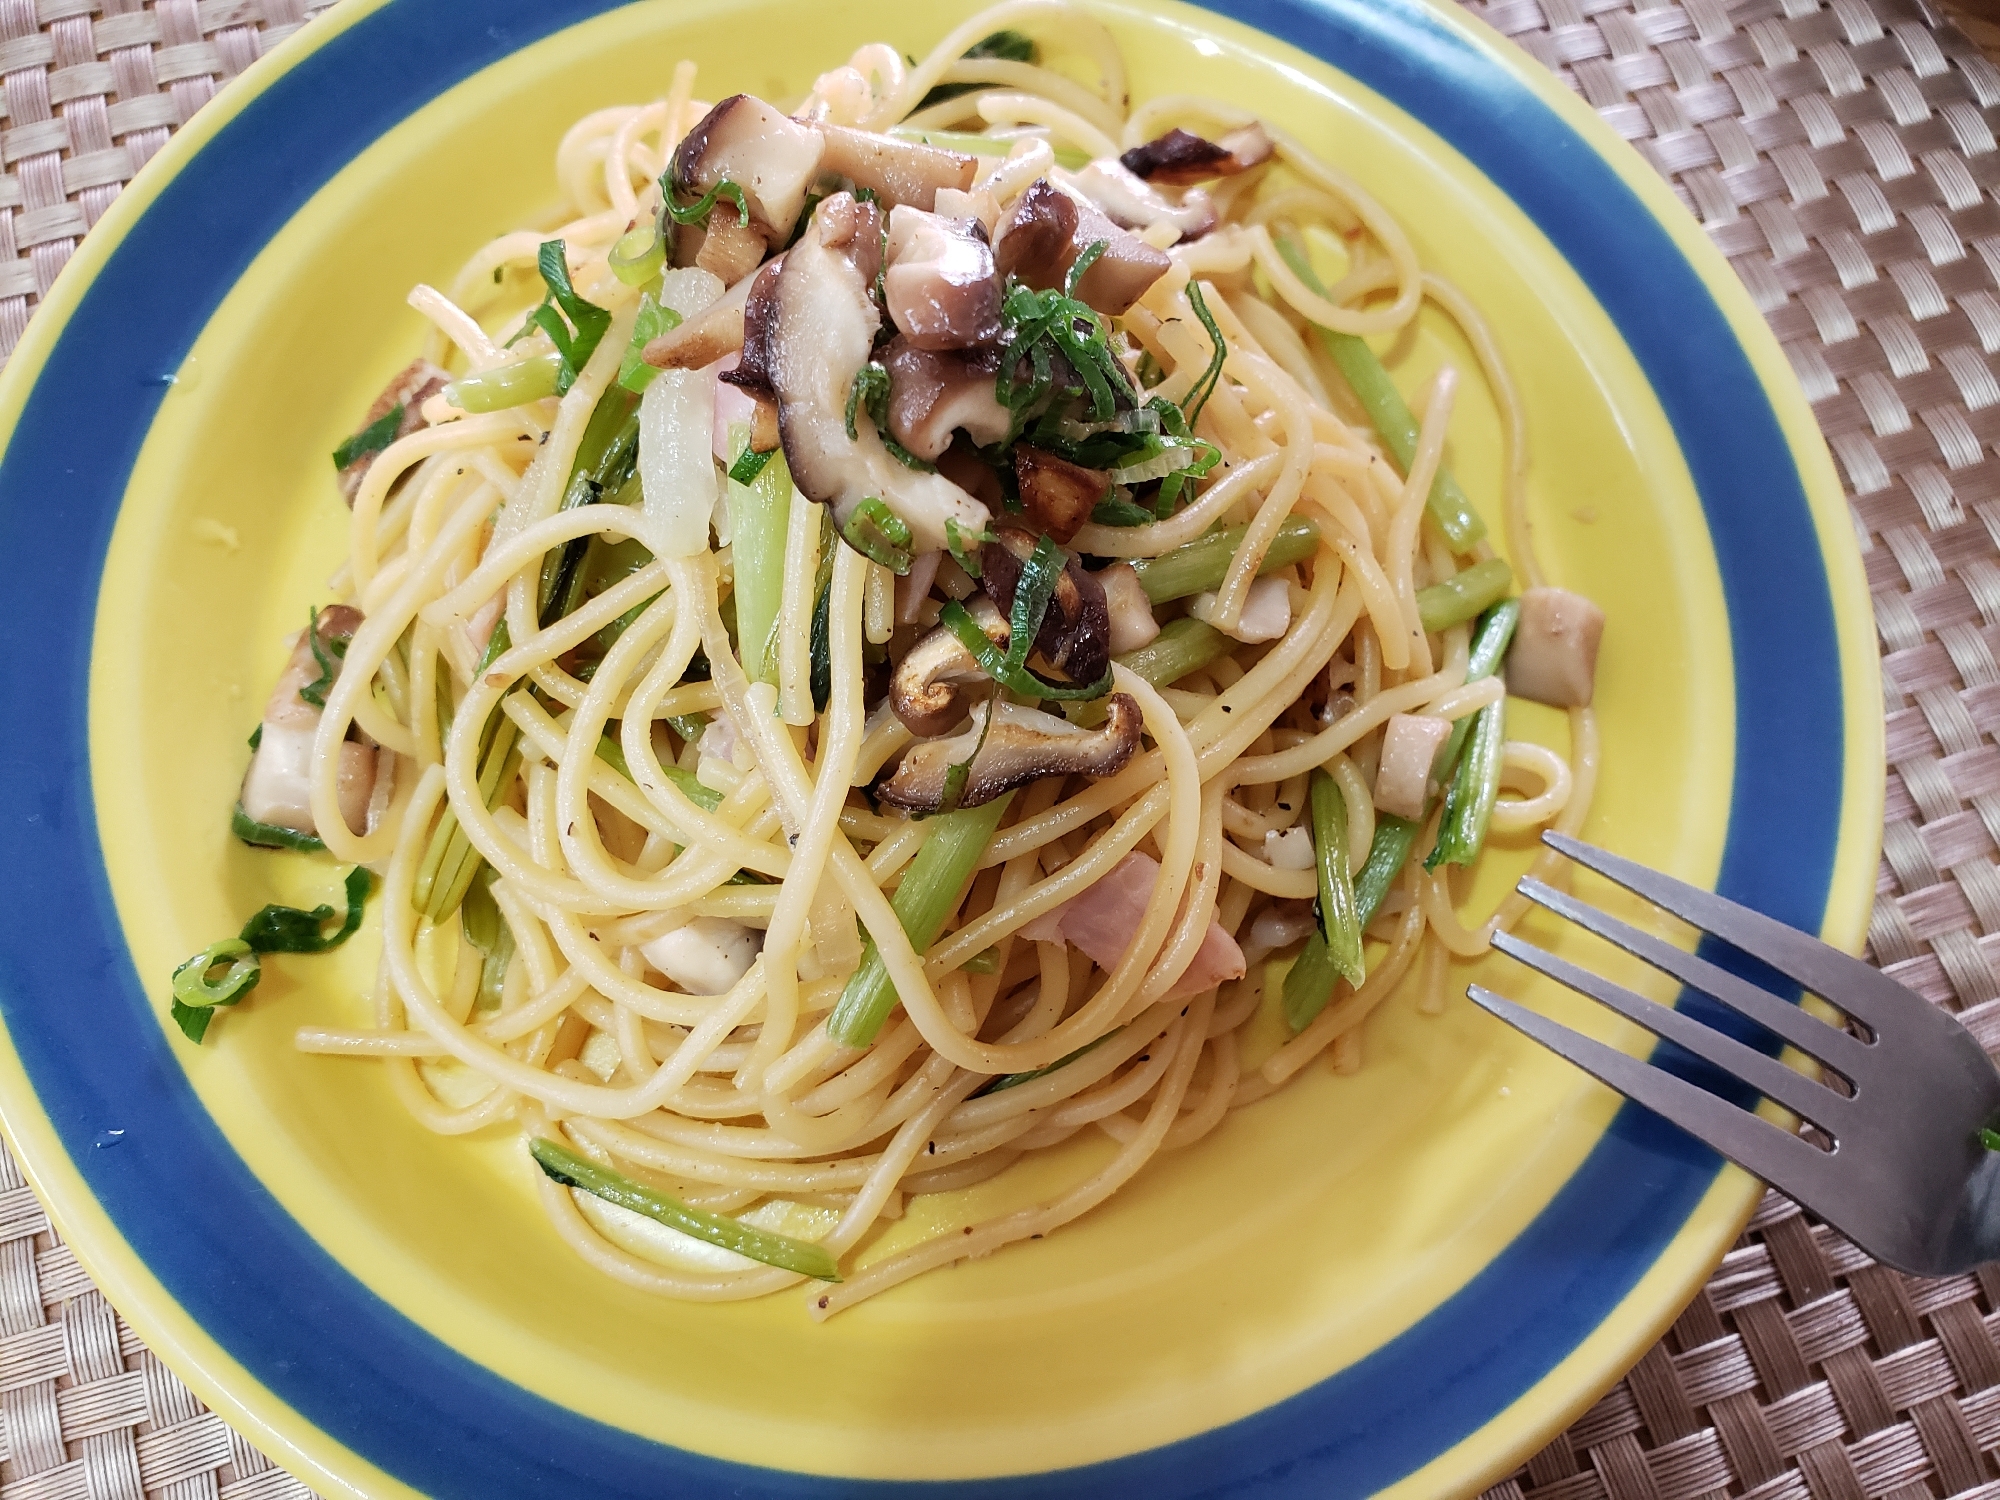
[1863,992]
[1807,1032]
[1789,1164]
[1767,1075]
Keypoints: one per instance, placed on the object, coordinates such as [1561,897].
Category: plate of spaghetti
[931,647]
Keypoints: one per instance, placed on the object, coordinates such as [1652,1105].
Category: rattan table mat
[1841,153]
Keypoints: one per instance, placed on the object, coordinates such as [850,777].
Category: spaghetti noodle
[768,862]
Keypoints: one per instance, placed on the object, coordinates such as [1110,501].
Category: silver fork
[1904,1174]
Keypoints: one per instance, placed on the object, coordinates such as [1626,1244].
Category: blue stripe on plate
[320,1341]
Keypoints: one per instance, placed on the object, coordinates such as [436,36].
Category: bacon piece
[1102,919]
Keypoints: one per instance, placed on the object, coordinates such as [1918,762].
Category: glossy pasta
[592,769]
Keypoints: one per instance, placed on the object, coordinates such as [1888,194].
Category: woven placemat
[1842,155]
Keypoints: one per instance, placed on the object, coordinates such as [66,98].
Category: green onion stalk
[925,896]
[760,515]
[1199,566]
[574,1170]
[1393,420]
[1473,782]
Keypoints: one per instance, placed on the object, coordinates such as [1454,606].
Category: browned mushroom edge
[1045,230]
[941,287]
[808,330]
[1181,157]
[927,691]
[773,158]
[1022,745]
[1137,204]
[1057,495]
[933,394]
[1075,637]
[896,171]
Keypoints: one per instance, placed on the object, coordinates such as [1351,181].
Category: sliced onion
[1155,468]
[676,459]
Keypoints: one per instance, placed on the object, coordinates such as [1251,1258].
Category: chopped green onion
[577,1171]
[870,393]
[653,320]
[329,656]
[1394,422]
[1080,267]
[373,438]
[1462,596]
[1387,854]
[760,515]
[1309,983]
[698,211]
[1116,512]
[195,996]
[487,930]
[1036,586]
[271,835]
[1339,934]
[964,549]
[1468,805]
[256,736]
[275,929]
[286,929]
[1989,1138]
[879,534]
[1015,1080]
[1201,565]
[1011,46]
[985,961]
[749,464]
[506,386]
[1211,377]
[924,897]
[638,255]
[577,339]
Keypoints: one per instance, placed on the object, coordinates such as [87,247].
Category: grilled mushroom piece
[898,172]
[1181,157]
[755,145]
[928,689]
[1135,203]
[714,332]
[809,327]
[277,787]
[1046,230]
[1023,745]
[1075,637]
[1057,494]
[412,387]
[941,286]
[933,394]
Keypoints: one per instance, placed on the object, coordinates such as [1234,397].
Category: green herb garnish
[653,320]
[574,1170]
[373,438]
[1032,593]
[575,340]
[275,929]
[880,535]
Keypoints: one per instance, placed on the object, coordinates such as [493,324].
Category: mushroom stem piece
[1022,745]
[809,328]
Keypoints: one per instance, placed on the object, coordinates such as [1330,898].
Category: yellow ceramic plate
[1409,1276]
